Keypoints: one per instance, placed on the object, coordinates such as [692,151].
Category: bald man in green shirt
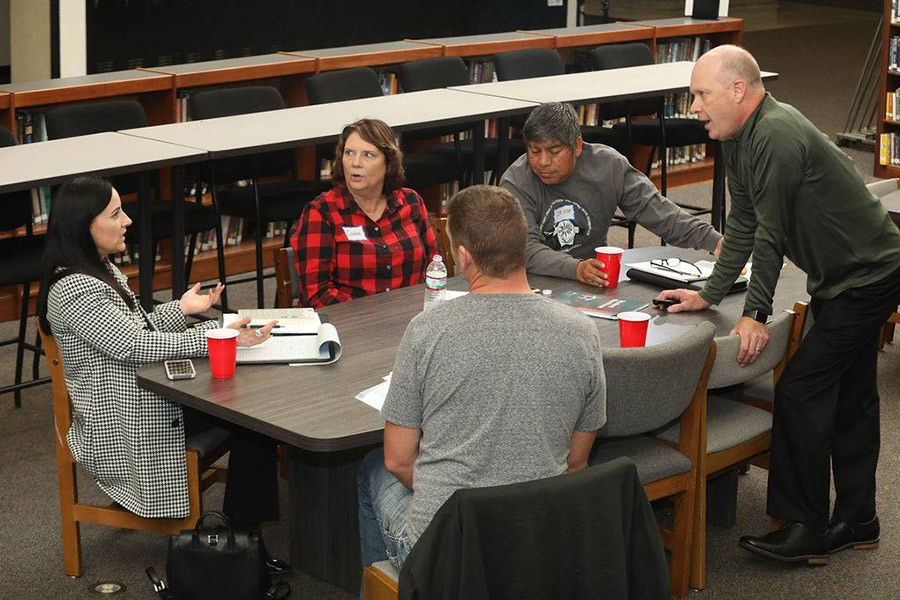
[794,194]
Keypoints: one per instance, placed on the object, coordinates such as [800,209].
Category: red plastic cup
[633,329]
[611,257]
[222,344]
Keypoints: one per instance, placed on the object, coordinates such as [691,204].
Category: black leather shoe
[278,567]
[794,542]
[859,536]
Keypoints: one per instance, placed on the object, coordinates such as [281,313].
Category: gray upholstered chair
[732,432]
[760,391]
[648,388]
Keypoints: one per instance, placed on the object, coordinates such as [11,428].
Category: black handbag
[217,563]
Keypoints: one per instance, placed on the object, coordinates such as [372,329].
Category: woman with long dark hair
[129,439]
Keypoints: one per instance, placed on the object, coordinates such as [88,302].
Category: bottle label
[436,283]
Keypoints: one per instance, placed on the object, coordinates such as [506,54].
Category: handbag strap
[278,591]
[222,517]
[159,586]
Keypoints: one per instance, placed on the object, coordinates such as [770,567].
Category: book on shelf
[31,127]
[602,307]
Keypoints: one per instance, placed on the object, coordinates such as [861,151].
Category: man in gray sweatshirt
[570,190]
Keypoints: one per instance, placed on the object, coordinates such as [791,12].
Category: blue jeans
[383,513]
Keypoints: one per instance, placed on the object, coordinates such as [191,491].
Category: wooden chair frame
[284,295]
[74,512]
[755,450]
[682,488]
[440,231]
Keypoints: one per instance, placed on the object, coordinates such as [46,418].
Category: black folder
[740,285]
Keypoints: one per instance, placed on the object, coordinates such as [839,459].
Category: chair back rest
[62,405]
[287,280]
[340,86]
[95,117]
[727,371]
[16,205]
[213,104]
[618,56]
[98,117]
[883,187]
[460,555]
[432,73]
[528,63]
[649,387]
[440,231]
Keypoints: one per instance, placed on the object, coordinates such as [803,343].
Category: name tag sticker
[564,213]
[355,234]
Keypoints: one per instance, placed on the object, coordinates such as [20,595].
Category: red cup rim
[608,250]
[221,334]
[633,316]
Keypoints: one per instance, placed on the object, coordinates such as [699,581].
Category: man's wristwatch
[757,315]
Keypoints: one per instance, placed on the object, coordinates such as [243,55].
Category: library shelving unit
[725,30]
[161,91]
[369,55]
[887,125]
[469,46]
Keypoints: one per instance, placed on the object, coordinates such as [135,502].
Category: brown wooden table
[314,410]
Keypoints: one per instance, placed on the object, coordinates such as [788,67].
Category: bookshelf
[887,154]
[725,30]
[158,90]
[369,55]
[469,46]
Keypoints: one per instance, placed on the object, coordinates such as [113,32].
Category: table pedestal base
[324,529]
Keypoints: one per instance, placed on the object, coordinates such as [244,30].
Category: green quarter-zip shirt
[794,194]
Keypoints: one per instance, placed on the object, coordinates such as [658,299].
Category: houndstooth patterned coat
[130,440]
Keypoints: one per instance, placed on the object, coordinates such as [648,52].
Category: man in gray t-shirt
[497,387]
[570,190]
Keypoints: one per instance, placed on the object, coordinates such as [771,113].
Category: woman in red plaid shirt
[368,234]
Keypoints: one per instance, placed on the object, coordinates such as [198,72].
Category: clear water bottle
[435,281]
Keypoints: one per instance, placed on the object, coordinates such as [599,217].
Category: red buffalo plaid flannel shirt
[386,254]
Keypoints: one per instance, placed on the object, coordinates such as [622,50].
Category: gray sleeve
[642,202]
[403,404]
[593,417]
[539,258]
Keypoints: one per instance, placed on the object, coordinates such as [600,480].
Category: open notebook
[321,346]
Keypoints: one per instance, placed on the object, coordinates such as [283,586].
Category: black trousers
[826,410]
[251,488]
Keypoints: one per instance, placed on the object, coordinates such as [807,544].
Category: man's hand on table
[686,300]
[589,271]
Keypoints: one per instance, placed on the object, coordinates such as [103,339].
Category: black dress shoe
[859,536]
[278,567]
[794,542]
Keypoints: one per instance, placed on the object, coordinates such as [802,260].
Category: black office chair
[257,203]
[544,62]
[423,169]
[20,264]
[443,72]
[97,117]
[660,133]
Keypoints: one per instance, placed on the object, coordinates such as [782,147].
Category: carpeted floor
[818,69]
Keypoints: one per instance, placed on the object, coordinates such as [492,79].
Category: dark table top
[315,407]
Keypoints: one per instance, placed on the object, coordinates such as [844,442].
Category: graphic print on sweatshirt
[565,225]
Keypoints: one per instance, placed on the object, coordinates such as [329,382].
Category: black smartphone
[660,303]
[180,369]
